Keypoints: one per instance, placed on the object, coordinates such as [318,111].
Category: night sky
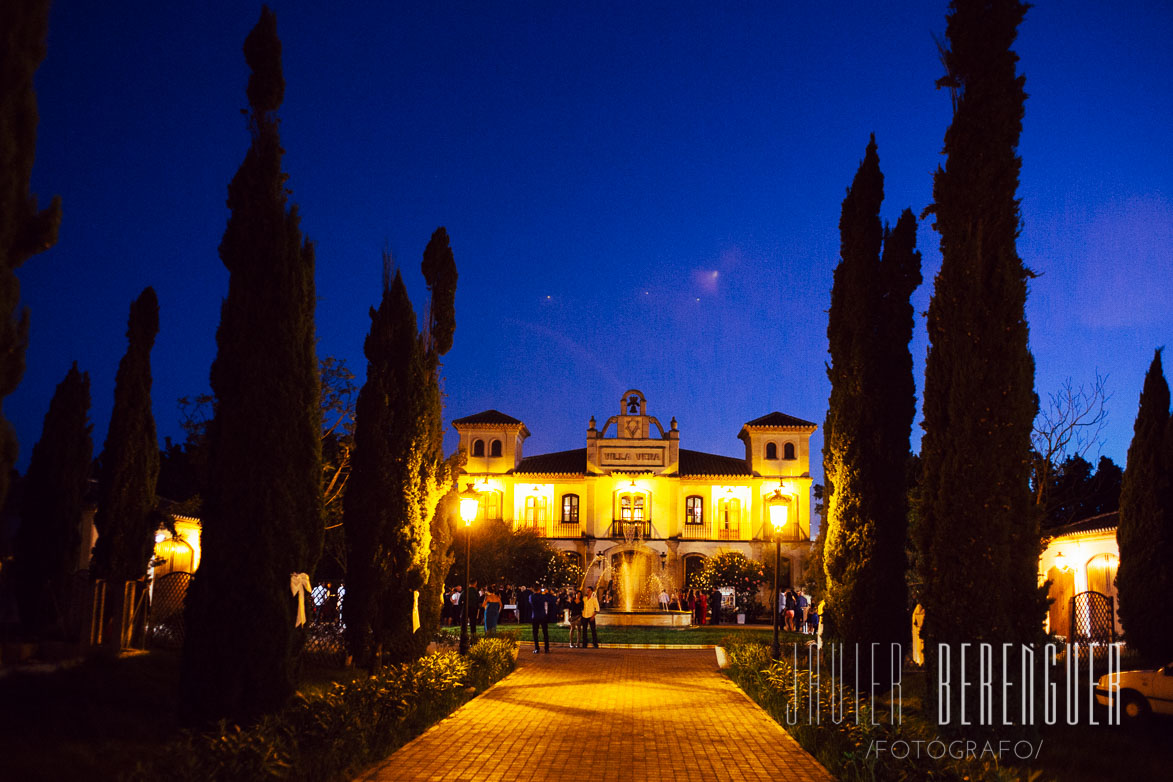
[640,196]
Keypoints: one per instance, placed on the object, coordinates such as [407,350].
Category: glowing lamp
[470,500]
[779,512]
[1061,562]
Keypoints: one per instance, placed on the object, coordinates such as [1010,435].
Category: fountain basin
[643,617]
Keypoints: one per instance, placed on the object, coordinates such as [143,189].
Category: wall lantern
[779,511]
[1061,562]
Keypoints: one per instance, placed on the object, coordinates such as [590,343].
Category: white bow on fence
[299,584]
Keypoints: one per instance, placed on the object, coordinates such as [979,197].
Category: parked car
[1141,692]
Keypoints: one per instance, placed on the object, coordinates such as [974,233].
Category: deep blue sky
[638,194]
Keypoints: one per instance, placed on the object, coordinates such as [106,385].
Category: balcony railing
[620,529]
[728,533]
[565,530]
[696,532]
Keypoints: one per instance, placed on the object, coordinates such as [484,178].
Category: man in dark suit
[524,610]
[715,598]
[542,605]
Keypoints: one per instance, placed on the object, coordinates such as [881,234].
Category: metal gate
[1092,619]
[165,627]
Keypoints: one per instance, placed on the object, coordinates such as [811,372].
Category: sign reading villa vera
[631,457]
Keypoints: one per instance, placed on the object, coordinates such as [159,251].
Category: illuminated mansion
[633,488]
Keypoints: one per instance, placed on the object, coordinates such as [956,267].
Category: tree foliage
[262,511]
[975,520]
[1145,534]
[53,499]
[399,473]
[25,230]
[869,416]
[126,518]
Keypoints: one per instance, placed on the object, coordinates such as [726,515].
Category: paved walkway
[606,715]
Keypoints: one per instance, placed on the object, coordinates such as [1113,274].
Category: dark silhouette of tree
[869,416]
[1145,534]
[1077,491]
[49,538]
[25,230]
[977,535]
[126,517]
[1068,427]
[396,538]
[262,510]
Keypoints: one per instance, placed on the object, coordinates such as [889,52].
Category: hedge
[334,735]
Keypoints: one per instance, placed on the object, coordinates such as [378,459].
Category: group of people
[537,607]
[796,613]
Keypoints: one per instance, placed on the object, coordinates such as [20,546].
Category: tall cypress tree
[130,459]
[397,530]
[24,229]
[262,512]
[49,539]
[869,414]
[384,537]
[1145,535]
[977,536]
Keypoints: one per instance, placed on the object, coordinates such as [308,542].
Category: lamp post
[778,513]
[470,500]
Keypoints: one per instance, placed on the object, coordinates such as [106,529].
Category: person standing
[702,607]
[473,596]
[576,606]
[540,609]
[692,605]
[590,607]
[492,609]
[715,605]
[524,609]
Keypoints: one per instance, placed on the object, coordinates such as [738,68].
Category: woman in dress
[492,608]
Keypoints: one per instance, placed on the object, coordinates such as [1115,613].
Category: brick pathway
[605,715]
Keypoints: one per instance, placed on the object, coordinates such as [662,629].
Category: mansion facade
[632,488]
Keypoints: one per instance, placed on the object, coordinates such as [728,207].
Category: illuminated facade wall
[632,487]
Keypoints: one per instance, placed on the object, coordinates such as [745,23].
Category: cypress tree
[262,514]
[869,415]
[397,531]
[130,460]
[48,541]
[1145,533]
[384,536]
[24,229]
[977,537]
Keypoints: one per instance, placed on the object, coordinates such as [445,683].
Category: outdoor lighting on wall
[779,512]
[470,500]
[1061,562]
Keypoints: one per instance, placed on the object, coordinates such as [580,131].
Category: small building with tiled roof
[1080,560]
[633,492]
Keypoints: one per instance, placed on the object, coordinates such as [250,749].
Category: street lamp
[778,516]
[470,500]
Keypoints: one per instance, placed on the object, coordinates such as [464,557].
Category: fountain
[638,577]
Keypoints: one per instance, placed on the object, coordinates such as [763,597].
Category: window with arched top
[1101,573]
[569,508]
[788,451]
[478,447]
[694,510]
[771,450]
[631,507]
[495,448]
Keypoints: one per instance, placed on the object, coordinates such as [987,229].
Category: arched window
[631,507]
[694,564]
[478,447]
[574,558]
[694,510]
[788,451]
[569,508]
[490,506]
[771,450]
[1101,573]
[495,448]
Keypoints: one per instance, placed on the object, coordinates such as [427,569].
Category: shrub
[335,734]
